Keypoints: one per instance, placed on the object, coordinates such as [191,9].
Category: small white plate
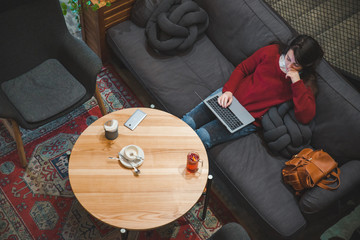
[136,162]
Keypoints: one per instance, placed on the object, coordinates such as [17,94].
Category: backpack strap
[325,182]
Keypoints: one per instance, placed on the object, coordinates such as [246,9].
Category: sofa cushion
[283,133]
[142,10]
[256,175]
[171,80]
[239,27]
[337,129]
[175,26]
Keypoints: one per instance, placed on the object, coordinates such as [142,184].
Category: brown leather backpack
[309,168]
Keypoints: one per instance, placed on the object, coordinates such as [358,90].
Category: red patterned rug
[38,203]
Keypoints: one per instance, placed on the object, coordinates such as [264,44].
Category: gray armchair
[45,71]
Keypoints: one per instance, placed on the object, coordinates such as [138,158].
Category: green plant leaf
[73,6]
[95,7]
[64,8]
[63,5]
[108,4]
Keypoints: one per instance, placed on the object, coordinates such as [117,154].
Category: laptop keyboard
[225,114]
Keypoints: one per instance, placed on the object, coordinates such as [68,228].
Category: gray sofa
[237,28]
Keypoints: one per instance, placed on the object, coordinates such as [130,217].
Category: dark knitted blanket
[175,25]
[283,133]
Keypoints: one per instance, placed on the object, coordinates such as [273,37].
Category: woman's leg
[200,115]
[215,132]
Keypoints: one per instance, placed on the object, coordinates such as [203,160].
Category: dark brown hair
[308,53]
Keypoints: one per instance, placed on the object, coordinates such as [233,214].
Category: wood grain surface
[163,192]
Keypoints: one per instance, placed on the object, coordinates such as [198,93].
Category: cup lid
[111,125]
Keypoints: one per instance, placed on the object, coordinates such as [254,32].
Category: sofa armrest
[317,199]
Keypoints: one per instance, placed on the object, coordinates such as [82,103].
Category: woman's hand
[225,99]
[293,75]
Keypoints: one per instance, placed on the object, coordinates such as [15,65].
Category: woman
[272,75]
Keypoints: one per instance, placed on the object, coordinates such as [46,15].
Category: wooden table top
[163,192]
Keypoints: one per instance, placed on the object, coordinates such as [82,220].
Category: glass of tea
[192,163]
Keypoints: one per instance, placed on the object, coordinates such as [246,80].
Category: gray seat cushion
[44,91]
[172,80]
[257,177]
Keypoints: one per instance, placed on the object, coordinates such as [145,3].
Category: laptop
[233,117]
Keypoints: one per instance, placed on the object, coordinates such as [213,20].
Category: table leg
[207,195]
[123,234]
[128,235]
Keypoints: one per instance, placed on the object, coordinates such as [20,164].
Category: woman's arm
[247,67]
[244,69]
[304,102]
[303,98]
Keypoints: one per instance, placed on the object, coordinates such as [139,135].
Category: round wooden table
[163,192]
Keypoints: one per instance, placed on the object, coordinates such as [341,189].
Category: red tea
[192,162]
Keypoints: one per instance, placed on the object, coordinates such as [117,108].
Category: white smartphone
[135,119]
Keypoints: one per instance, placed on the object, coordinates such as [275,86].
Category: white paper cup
[111,129]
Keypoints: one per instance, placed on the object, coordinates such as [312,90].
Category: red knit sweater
[258,84]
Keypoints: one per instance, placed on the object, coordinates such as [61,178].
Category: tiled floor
[334,23]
